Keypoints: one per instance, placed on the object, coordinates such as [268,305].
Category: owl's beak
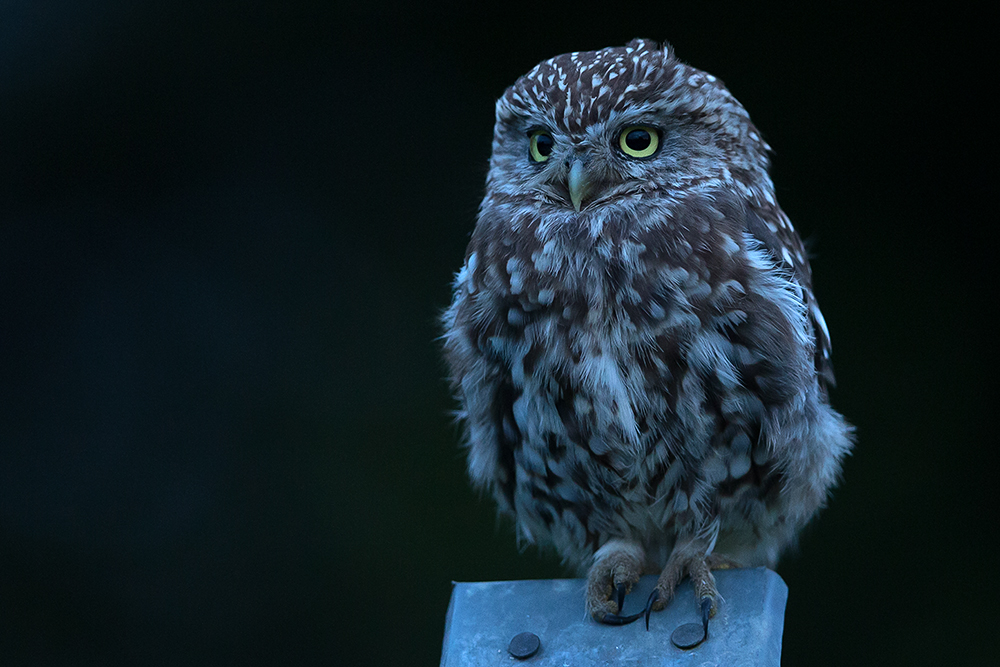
[578,184]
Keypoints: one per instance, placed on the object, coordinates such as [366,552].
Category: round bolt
[524,645]
[688,635]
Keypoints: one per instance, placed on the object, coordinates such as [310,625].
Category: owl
[641,365]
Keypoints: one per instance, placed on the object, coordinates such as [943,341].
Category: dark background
[225,236]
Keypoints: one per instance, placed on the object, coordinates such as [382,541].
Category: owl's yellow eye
[639,141]
[541,145]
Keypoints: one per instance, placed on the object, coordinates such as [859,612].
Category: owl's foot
[617,567]
[689,561]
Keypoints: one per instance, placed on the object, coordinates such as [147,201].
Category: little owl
[641,363]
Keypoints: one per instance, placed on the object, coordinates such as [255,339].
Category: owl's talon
[706,612]
[653,597]
[617,619]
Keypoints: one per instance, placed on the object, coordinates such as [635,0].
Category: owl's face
[594,131]
[587,168]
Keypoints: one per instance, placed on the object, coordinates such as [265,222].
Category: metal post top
[543,622]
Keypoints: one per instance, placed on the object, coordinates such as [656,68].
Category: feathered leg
[617,567]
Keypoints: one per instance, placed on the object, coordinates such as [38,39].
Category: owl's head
[595,129]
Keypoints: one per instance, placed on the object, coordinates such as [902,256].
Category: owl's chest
[592,337]
[577,355]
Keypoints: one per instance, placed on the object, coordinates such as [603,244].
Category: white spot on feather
[818,316]
[516,277]
[739,466]
[728,244]
[601,371]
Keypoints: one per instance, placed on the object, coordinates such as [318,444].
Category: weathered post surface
[542,622]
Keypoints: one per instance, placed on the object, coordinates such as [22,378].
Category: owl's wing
[775,234]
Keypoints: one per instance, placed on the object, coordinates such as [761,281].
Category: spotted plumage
[641,364]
